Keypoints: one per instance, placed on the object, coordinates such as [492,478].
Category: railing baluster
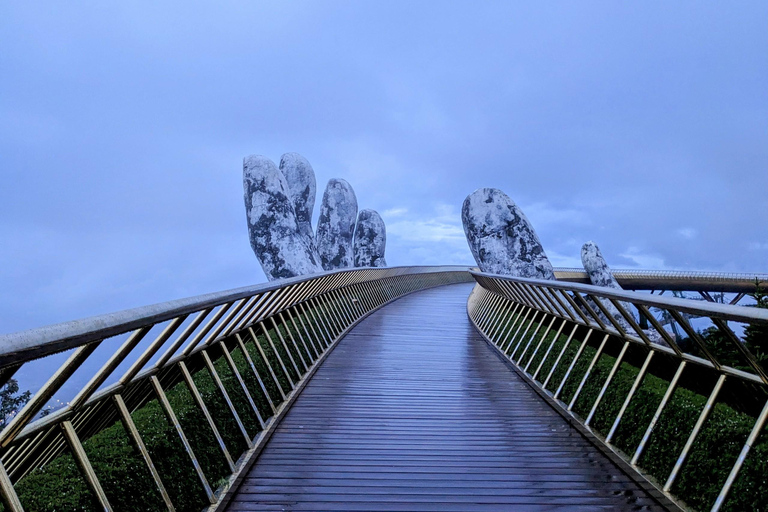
[10,498]
[559,357]
[283,343]
[138,442]
[607,383]
[168,410]
[670,389]
[573,363]
[85,465]
[630,395]
[266,362]
[198,398]
[549,349]
[694,433]
[538,345]
[227,399]
[598,353]
[756,430]
[248,358]
[239,377]
[277,355]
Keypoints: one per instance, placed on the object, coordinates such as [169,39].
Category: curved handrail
[42,341]
[677,280]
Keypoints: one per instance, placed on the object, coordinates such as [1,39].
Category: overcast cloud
[639,125]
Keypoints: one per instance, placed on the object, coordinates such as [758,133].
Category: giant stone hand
[501,238]
[272,226]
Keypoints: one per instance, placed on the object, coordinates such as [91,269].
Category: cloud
[687,233]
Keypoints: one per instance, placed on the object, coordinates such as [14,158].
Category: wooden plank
[414,411]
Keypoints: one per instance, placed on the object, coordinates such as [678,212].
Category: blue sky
[639,125]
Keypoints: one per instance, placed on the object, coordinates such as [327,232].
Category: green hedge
[715,450]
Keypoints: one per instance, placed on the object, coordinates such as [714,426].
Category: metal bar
[266,361]
[607,383]
[240,380]
[591,311]
[516,312]
[311,352]
[759,424]
[315,339]
[559,356]
[538,345]
[277,355]
[287,329]
[248,308]
[138,442]
[694,433]
[166,406]
[504,346]
[659,328]
[326,338]
[576,308]
[589,370]
[509,311]
[152,349]
[84,464]
[8,493]
[285,346]
[631,321]
[106,370]
[206,328]
[247,355]
[533,336]
[178,342]
[632,390]
[573,363]
[198,398]
[522,337]
[546,354]
[228,400]
[657,415]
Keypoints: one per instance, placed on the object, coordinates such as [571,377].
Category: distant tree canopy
[11,401]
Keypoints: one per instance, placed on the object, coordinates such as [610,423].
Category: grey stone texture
[272,225]
[501,238]
[370,239]
[336,225]
[302,189]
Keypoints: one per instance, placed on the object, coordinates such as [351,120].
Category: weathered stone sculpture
[501,238]
[594,263]
[301,189]
[272,226]
[600,275]
[370,240]
[336,225]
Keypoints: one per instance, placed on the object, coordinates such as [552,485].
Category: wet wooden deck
[414,411]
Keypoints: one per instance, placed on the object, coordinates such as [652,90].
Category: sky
[639,125]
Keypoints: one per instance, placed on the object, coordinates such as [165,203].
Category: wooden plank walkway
[414,411]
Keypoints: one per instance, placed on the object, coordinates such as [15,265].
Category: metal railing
[570,341]
[277,332]
[677,280]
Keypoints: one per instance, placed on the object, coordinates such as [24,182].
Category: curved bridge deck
[414,411]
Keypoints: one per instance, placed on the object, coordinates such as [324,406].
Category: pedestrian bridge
[419,388]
